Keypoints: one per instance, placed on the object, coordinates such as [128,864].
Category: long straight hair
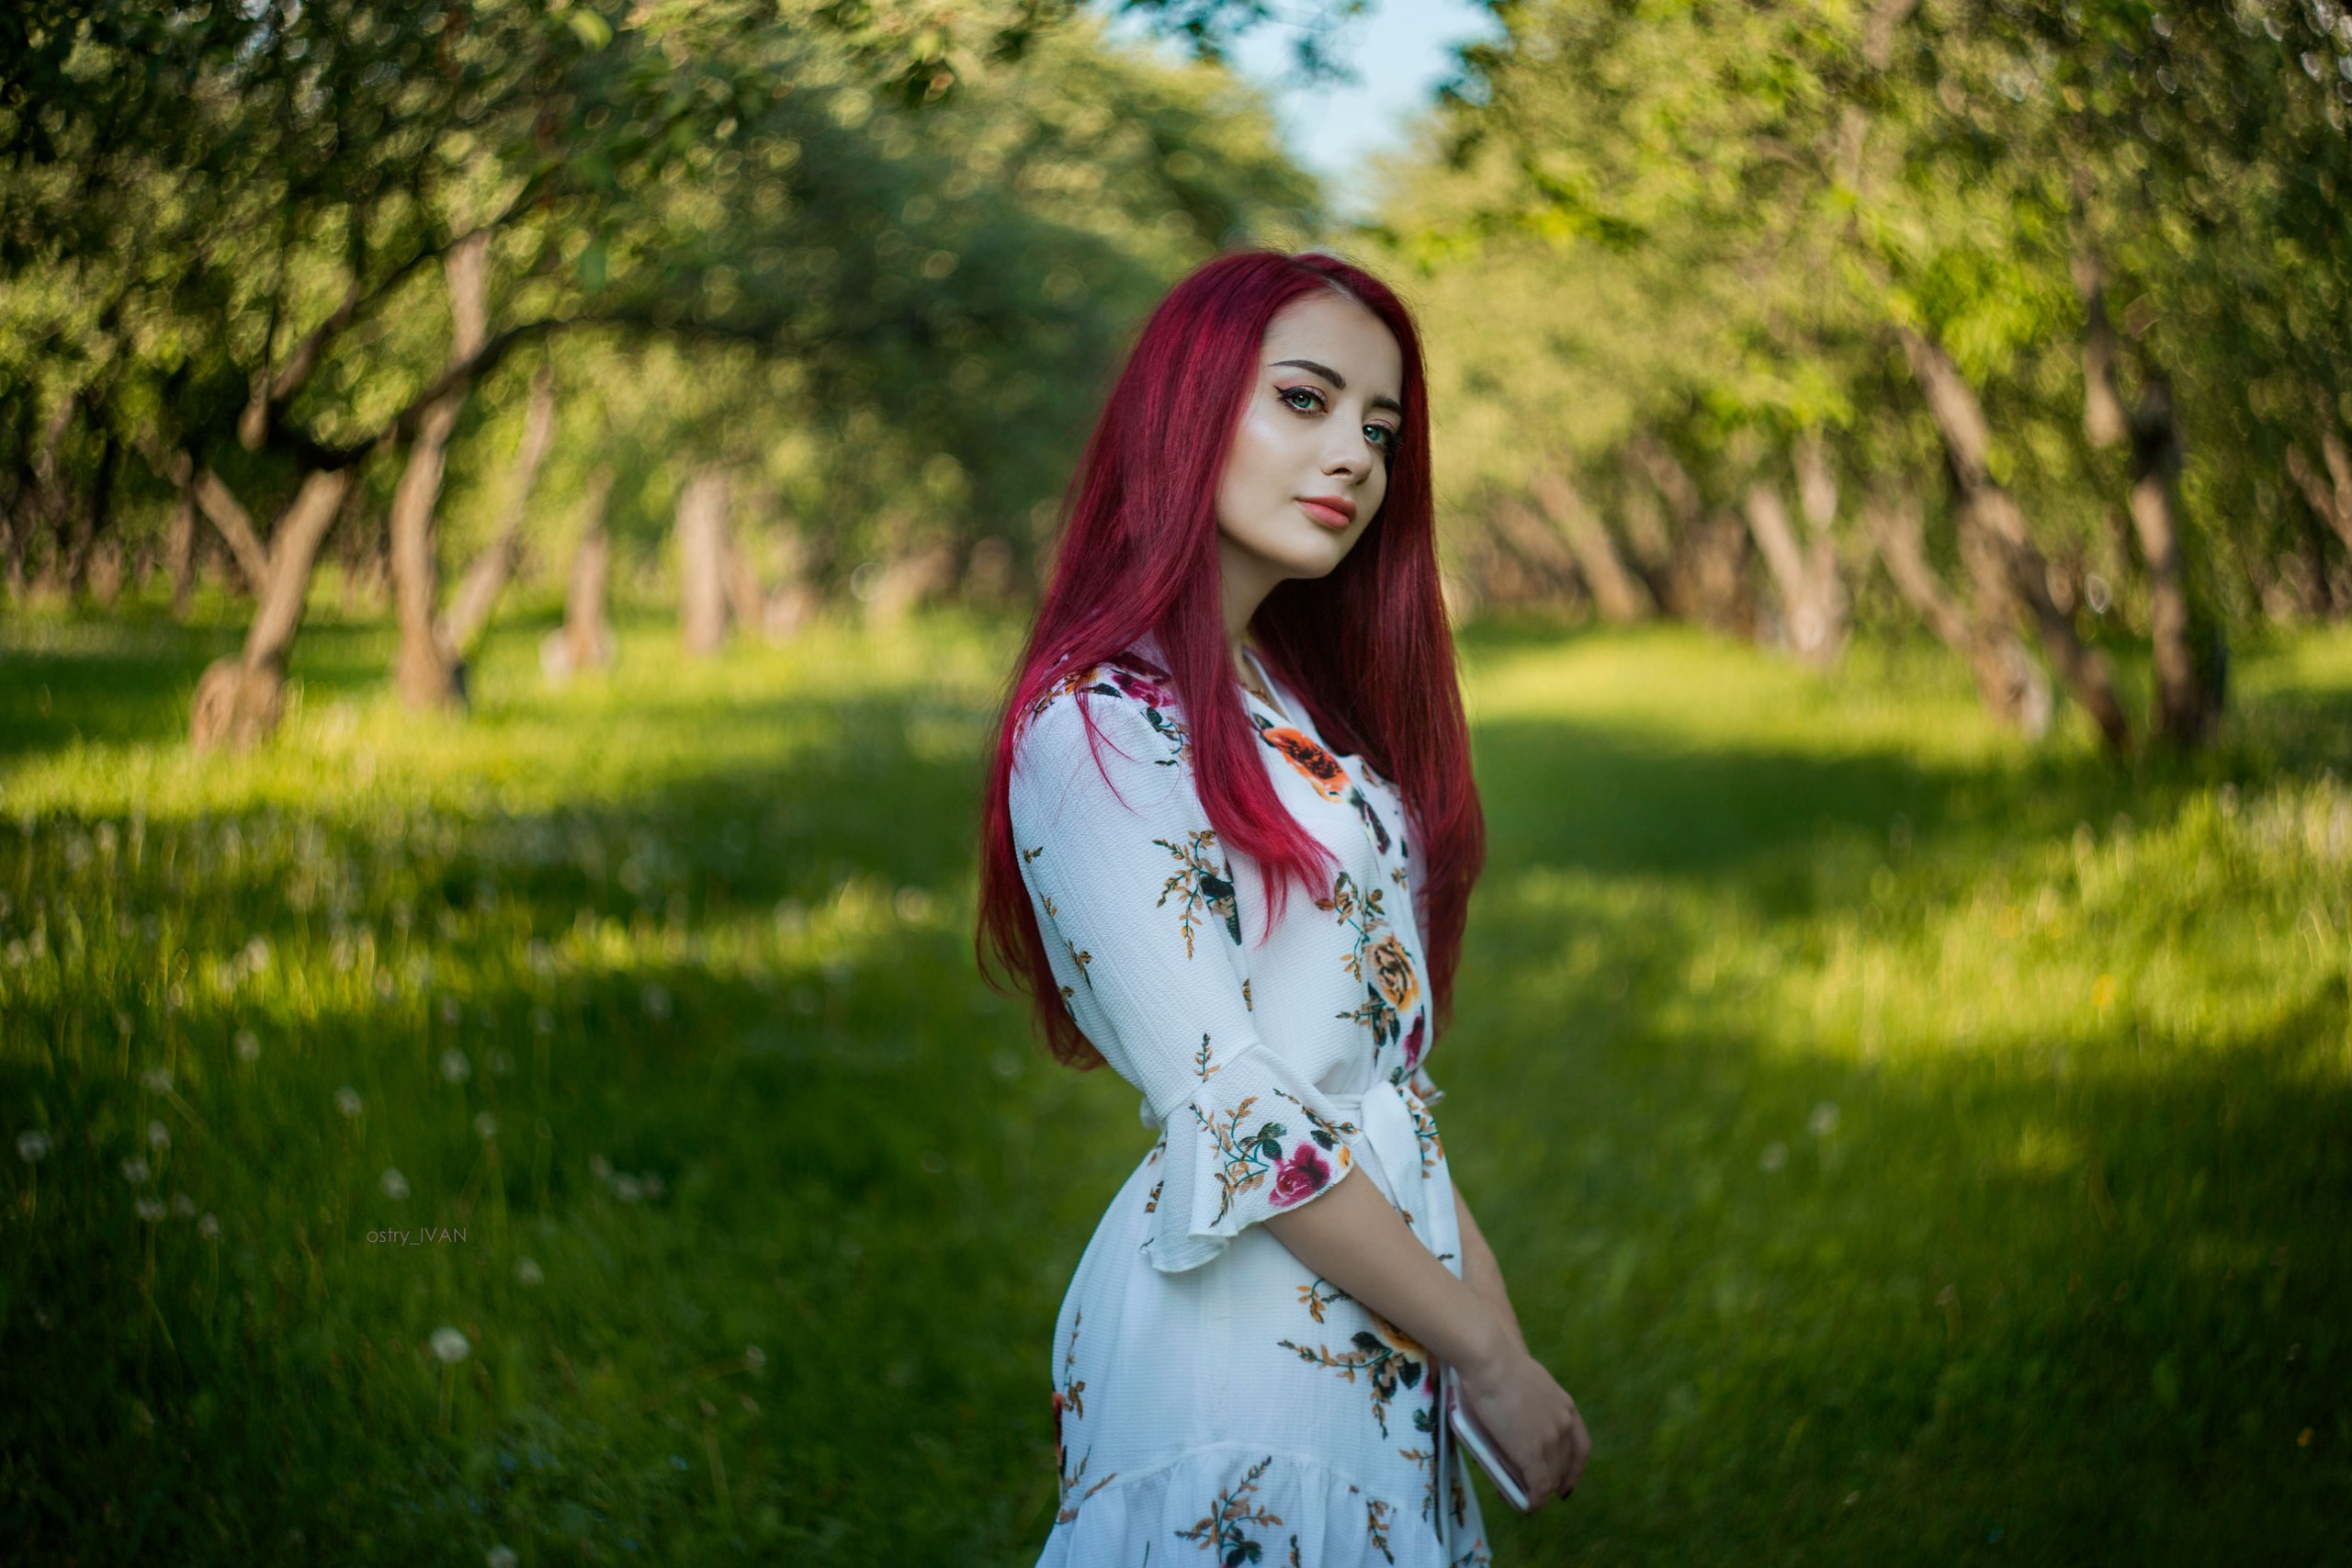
[1366,646]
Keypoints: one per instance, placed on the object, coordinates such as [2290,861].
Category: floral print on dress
[1247,1161]
[1376,957]
[1069,1400]
[1198,884]
[1227,1526]
[1131,882]
[1391,1360]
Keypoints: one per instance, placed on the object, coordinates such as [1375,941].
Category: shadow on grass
[2002,1304]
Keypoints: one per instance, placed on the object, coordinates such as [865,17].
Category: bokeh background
[515,516]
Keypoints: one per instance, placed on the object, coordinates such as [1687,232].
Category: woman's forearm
[1353,1236]
[1481,1268]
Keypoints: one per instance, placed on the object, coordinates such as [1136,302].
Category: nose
[1350,454]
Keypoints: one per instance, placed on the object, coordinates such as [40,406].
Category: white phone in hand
[1482,1449]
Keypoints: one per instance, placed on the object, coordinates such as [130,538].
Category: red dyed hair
[1366,646]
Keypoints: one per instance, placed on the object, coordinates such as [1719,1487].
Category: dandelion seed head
[499,1557]
[150,1209]
[627,1189]
[248,1046]
[1823,1120]
[394,1184]
[32,1145]
[156,1080]
[134,1170]
[451,1346]
[454,1065]
[158,1136]
[183,1205]
[451,1012]
[1774,1157]
[485,1125]
[754,1358]
[527,1271]
[346,1099]
[209,1228]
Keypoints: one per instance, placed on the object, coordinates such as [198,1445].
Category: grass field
[1909,1144]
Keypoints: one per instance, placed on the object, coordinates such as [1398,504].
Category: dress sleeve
[1136,899]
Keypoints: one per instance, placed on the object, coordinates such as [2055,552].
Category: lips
[1332,512]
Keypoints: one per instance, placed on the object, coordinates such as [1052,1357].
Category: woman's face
[1319,426]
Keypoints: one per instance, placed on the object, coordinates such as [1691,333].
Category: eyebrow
[1341,382]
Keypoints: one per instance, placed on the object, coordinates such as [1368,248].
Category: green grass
[1909,1144]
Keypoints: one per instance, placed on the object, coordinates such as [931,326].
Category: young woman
[1228,839]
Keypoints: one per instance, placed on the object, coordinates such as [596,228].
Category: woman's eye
[1382,437]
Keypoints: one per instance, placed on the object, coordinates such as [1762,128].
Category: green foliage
[1702,219]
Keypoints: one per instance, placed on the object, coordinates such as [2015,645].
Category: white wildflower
[134,1170]
[454,1065]
[32,1145]
[346,1099]
[149,1209]
[527,1272]
[158,1136]
[451,1346]
[395,1185]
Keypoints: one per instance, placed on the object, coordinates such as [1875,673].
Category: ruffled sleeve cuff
[1254,1139]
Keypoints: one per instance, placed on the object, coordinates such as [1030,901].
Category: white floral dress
[1211,1394]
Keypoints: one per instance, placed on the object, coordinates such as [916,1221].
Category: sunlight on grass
[580,1128]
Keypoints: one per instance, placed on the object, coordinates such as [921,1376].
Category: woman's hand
[1530,1416]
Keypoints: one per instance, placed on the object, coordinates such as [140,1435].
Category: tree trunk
[1705,576]
[908,579]
[2003,560]
[584,641]
[746,600]
[2191,659]
[1547,565]
[2008,682]
[240,699]
[179,555]
[426,670]
[1617,593]
[2333,507]
[487,576]
[1896,531]
[1811,597]
[702,560]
